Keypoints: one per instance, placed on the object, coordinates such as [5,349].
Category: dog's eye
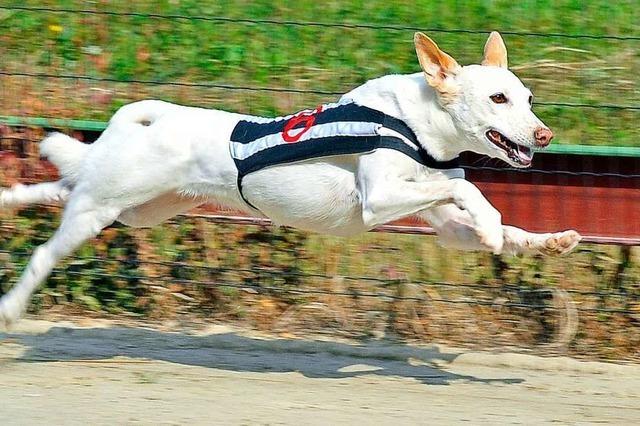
[530,99]
[499,98]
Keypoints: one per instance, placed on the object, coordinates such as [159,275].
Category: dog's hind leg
[82,219]
[159,209]
[48,192]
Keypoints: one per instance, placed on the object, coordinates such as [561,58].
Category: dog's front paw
[560,243]
[10,310]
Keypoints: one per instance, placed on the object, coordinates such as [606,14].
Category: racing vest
[331,129]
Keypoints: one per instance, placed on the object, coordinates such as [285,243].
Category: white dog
[157,159]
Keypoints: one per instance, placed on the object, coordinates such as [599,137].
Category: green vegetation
[283,280]
[587,71]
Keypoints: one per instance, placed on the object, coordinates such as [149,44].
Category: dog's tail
[65,152]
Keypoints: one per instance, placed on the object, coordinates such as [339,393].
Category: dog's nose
[543,136]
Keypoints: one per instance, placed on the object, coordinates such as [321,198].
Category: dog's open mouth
[518,153]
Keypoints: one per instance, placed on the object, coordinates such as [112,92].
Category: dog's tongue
[525,154]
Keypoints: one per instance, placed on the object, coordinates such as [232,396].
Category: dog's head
[487,102]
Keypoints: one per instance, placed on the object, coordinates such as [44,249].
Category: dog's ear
[435,63]
[495,52]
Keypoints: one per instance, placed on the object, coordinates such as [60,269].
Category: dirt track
[58,373]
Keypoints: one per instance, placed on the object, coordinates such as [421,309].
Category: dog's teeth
[524,153]
[496,136]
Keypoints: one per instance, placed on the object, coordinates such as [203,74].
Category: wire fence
[273,279]
[631,298]
[376,27]
[354,278]
[264,89]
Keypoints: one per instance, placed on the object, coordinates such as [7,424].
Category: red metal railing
[599,196]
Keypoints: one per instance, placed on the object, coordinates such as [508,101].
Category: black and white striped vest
[331,129]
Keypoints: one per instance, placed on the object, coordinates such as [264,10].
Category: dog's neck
[409,98]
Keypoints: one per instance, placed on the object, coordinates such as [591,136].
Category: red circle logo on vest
[291,134]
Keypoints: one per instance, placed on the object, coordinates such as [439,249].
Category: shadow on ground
[234,352]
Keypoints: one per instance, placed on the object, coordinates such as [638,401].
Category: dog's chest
[317,196]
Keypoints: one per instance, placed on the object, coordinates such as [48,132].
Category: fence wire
[257,273]
[204,85]
[251,88]
[366,26]
[553,172]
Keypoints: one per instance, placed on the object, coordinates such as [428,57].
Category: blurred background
[70,64]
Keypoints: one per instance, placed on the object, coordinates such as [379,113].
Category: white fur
[157,159]
[65,152]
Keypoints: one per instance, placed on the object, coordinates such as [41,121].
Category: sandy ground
[102,373]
